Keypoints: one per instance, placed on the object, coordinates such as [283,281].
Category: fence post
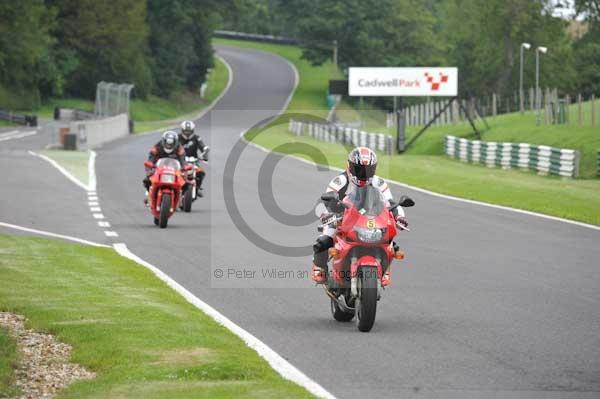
[579,109]
[494,105]
[593,110]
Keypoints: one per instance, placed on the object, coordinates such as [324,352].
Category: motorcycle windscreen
[368,200]
[168,163]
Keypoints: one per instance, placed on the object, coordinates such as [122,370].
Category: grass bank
[140,337]
[512,127]
[154,112]
[8,361]
[425,166]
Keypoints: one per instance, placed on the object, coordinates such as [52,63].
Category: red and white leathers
[340,185]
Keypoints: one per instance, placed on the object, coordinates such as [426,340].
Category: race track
[486,300]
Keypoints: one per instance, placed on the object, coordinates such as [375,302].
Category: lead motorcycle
[165,189]
[362,253]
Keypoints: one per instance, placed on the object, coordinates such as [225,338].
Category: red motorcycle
[166,184]
[362,253]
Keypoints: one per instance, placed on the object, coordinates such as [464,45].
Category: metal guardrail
[539,158]
[255,37]
[342,134]
[27,120]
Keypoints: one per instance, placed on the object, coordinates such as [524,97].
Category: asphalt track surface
[488,303]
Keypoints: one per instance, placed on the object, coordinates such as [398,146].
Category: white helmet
[169,141]
[187,128]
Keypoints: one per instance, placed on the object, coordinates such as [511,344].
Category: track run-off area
[489,301]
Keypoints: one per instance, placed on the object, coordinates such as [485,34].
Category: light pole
[524,46]
[538,99]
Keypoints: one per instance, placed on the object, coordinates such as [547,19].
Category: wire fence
[579,110]
[112,99]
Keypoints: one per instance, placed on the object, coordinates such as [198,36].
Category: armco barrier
[93,132]
[342,134]
[540,158]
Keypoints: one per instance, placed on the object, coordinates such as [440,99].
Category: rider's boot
[320,257]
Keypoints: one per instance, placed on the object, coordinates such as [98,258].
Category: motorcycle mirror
[406,202]
[148,164]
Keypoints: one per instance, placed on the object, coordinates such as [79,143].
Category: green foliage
[109,39]
[24,40]
[179,42]
[484,39]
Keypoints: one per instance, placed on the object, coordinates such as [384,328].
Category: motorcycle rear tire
[366,303]
[339,314]
[188,197]
[165,210]
[156,221]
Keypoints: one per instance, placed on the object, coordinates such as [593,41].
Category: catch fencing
[112,99]
[572,110]
[333,133]
[540,158]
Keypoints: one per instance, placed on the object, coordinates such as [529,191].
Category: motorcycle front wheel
[165,210]
[366,303]
[188,197]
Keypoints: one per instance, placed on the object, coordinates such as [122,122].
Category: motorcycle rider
[167,147]
[194,146]
[362,163]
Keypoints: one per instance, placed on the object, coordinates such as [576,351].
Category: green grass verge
[4,123]
[425,166]
[154,112]
[159,113]
[76,162]
[141,338]
[8,361]
[512,127]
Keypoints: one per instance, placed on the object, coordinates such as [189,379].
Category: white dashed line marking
[103,224]
[95,209]
[92,198]
[93,203]
[111,233]
[98,216]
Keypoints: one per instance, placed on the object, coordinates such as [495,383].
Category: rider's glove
[324,217]
[401,221]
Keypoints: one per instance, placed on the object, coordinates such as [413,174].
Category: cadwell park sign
[401,82]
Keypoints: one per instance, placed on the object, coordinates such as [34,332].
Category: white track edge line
[278,363]
[61,169]
[55,235]
[92,171]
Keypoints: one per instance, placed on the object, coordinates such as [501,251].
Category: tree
[180,32]
[109,39]
[24,42]
[484,39]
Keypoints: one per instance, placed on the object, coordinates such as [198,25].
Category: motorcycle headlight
[167,178]
[369,235]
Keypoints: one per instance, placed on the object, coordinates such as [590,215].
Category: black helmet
[169,141]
